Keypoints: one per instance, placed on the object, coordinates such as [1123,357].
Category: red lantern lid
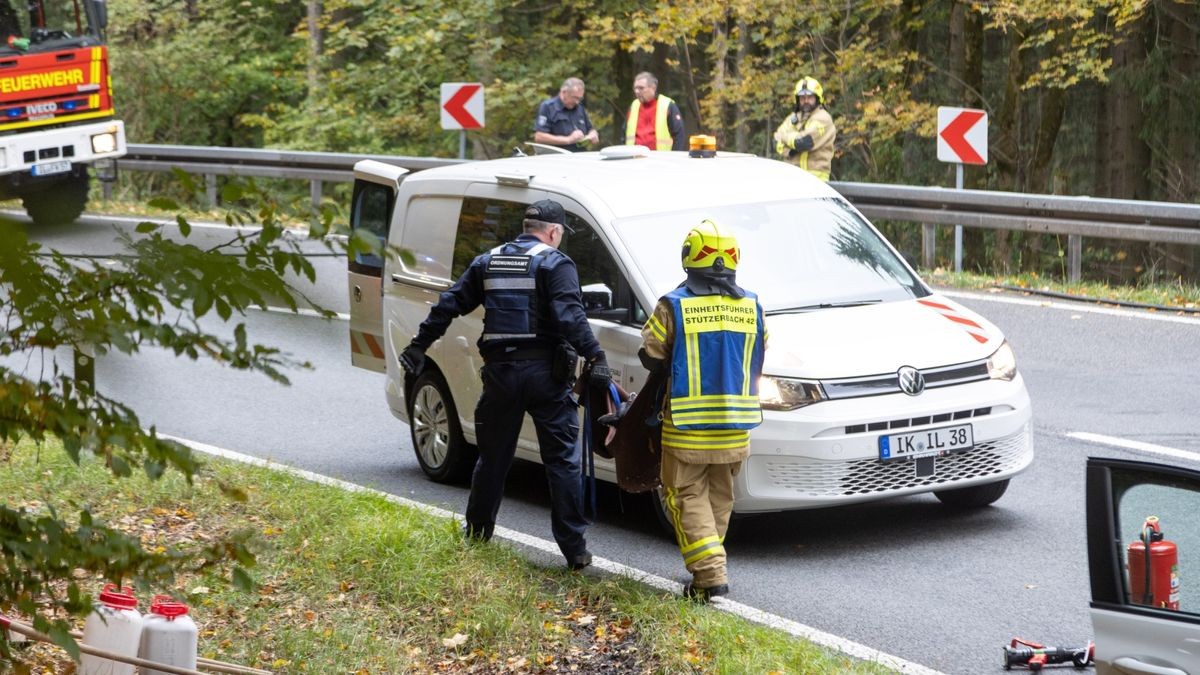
[165,605]
[118,598]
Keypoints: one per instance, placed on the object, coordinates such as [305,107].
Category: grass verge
[353,583]
[1171,296]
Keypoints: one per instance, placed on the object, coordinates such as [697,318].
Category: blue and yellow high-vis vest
[716,358]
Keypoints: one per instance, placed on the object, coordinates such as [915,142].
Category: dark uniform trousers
[510,389]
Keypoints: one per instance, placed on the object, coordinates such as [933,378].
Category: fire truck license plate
[927,443]
[51,168]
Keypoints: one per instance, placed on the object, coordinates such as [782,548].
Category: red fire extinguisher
[1154,568]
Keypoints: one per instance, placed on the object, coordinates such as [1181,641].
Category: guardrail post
[314,194]
[210,189]
[1074,257]
[928,245]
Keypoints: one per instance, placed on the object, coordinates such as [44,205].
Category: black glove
[803,143]
[412,359]
[600,375]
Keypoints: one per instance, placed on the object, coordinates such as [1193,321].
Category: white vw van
[874,385]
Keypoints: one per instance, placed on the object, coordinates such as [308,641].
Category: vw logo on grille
[912,382]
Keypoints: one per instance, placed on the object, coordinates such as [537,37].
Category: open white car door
[371,211]
[1145,600]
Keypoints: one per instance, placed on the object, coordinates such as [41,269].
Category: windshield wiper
[823,305]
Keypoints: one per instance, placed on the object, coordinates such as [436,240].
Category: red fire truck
[56,107]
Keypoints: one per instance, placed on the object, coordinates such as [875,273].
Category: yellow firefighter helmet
[710,245]
[809,86]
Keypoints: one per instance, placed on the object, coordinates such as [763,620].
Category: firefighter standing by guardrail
[806,136]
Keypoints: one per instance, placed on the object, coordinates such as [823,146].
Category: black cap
[548,211]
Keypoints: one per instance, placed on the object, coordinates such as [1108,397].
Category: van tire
[442,452]
[973,497]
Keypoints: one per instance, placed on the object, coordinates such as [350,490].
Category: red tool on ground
[1031,655]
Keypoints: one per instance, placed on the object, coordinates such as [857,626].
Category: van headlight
[1002,365]
[785,393]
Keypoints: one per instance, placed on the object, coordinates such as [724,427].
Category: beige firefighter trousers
[699,500]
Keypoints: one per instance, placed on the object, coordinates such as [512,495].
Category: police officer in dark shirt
[563,120]
[532,311]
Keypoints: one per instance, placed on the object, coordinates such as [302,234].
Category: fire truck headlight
[103,143]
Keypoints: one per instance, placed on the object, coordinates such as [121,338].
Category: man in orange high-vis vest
[654,120]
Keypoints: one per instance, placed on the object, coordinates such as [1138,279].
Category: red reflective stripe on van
[935,305]
[949,312]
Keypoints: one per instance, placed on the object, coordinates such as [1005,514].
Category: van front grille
[818,479]
[904,423]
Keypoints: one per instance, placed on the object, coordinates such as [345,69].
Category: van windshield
[798,254]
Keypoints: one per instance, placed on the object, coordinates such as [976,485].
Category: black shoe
[578,562]
[704,594]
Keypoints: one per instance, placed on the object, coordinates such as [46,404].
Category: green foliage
[154,293]
[1063,117]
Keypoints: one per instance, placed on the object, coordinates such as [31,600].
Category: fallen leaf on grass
[454,642]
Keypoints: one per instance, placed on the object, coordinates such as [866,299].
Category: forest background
[1084,97]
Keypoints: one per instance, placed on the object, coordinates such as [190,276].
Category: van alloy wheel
[442,452]
[430,430]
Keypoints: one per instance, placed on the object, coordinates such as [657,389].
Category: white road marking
[1138,446]
[828,640]
[1075,307]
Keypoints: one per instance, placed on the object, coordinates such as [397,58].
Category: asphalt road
[906,576]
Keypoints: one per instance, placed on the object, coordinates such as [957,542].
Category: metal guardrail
[1076,217]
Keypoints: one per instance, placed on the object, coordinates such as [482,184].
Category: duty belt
[520,354]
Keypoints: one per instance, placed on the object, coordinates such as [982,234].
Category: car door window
[427,247]
[370,212]
[1144,536]
[606,294]
[1164,517]
[484,224]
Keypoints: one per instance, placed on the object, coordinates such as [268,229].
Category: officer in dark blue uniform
[563,121]
[533,324]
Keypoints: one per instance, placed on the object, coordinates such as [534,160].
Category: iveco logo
[912,382]
[41,108]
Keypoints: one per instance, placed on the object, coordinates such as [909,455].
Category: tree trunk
[315,47]
[1053,105]
[690,96]
[1181,107]
[1179,165]
[966,71]
[741,134]
[1006,150]
[1129,165]
[720,60]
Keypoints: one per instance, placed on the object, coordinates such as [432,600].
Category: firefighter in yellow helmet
[708,334]
[806,136]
